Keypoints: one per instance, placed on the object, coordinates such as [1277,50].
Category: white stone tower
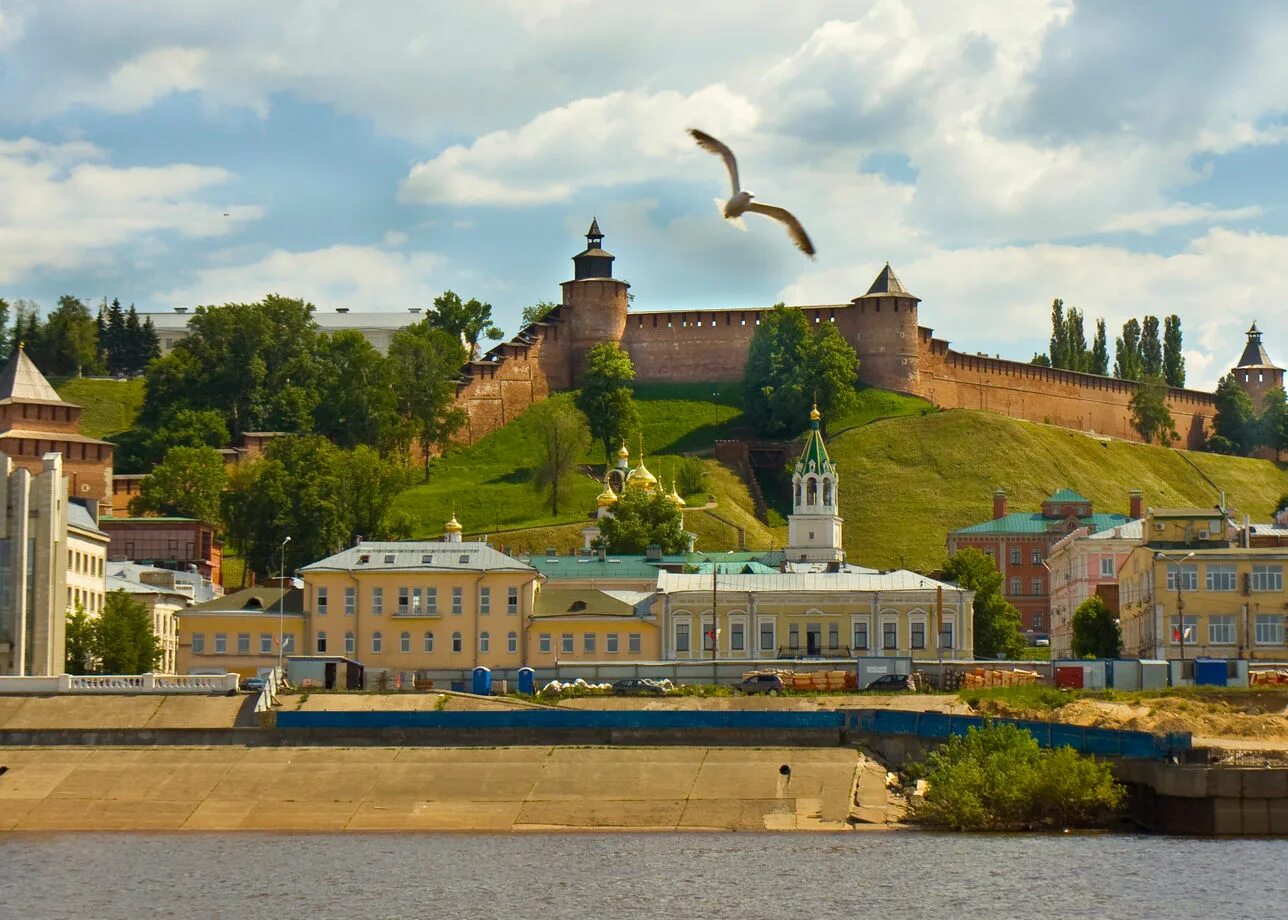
[814,526]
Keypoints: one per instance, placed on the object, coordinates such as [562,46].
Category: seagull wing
[711,145]
[794,228]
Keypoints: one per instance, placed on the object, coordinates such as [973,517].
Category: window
[633,643]
[588,643]
[404,605]
[1221,630]
[377,643]
[512,642]
[350,601]
[737,637]
[708,635]
[767,640]
[793,636]
[1221,577]
[543,643]
[1189,577]
[485,600]
[458,602]
[266,643]
[427,642]
[404,642]
[566,644]
[456,642]
[946,635]
[1107,567]
[221,643]
[833,635]
[199,642]
[322,604]
[377,601]
[288,643]
[431,602]
[861,636]
[1016,586]
[918,635]
[512,600]
[350,644]
[321,643]
[1037,557]
[485,642]
[1267,577]
[1036,585]
[1037,621]
[890,635]
[1015,555]
[610,643]
[681,637]
[1270,630]
[1191,630]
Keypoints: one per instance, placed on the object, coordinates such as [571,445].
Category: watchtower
[594,303]
[1255,372]
[884,334]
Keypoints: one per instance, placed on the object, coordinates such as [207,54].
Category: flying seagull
[741,201]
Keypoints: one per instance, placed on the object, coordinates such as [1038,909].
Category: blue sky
[1125,157]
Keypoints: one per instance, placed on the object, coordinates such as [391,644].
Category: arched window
[512,642]
[485,641]
[798,492]
[348,643]
[404,642]
[377,643]
[322,643]
[827,491]
[456,642]
[429,642]
[811,491]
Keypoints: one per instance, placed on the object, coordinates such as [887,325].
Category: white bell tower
[814,526]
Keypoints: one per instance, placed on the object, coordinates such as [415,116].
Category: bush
[996,778]
[691,477]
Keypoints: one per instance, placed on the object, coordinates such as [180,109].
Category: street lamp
[281,610]
[1180,605]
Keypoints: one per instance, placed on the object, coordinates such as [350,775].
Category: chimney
[999,504]
[1137,504]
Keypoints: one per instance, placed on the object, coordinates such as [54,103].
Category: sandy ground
[461,789]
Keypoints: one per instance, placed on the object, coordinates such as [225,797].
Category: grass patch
[1041,699]
[110,405]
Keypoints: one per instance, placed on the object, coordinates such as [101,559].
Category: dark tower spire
[594,262]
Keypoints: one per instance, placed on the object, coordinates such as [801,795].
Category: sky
[1125,157]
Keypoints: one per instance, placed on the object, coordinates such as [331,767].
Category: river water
[883,876]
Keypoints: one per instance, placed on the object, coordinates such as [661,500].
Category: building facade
[86,561]
[179,543]
[1082,564]
[240,632]
[162,606]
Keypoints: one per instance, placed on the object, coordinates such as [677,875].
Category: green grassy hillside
[110,405]
[906,482]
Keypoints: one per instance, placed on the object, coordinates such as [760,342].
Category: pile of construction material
[813,681]
[1277,677]
[996,677]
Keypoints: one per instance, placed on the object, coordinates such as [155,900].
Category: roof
[420,555]
[737,568]
[1187,513]
[150,520]
[587,602]
[814,458]
[820,583]
[78,516]
[134,587]
[1034,522]
[22,381]
[260,599]
[886,284]
[635,568]
[69,437]
[1068,495]
[1132,530]
[1254,353]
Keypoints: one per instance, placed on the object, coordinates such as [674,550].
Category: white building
[86,560]
[378,328]
[814,526]
[33,568]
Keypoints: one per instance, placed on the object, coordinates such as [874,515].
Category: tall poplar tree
[1059,349]
[1127,352]
[1173,358]
[1100,351]
[1151,349]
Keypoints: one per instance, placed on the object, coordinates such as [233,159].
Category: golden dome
[608,497]
[814,414]
[622,452]
[641,478]
[674,497]
[453,526]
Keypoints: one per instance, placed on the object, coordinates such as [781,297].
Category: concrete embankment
[230,787]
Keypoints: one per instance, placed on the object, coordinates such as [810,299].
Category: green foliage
[465,321]
[66,343]
[606,398]
[1058,350]
[425,363]
[4,321]
[564,438]
[1151,349]
[79,642]
[124,642]
[1096,633]
[791,365]
[1127,363]
[1272,425]
[640,519]
[139,449]
[1149,413]
[357,403]
[537,312]
[1173,355]
[1100,351]
[996,622]
[1235,418]
[1041,360]
[998,778]
[187,483]
[692,477]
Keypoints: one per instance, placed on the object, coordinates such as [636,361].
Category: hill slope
[110,405]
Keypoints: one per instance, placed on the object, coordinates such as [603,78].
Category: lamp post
[281,610]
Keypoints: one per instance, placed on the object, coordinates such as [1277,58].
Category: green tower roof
[814,458]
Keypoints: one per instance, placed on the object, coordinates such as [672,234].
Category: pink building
[1082,564]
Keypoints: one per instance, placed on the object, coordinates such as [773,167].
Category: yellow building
[239,632]
[423,607]
[573,624]
[1231,599]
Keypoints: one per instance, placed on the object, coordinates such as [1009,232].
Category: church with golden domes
[621,479]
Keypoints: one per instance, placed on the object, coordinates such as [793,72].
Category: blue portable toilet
[483,681]
[1210,672]
[527,681]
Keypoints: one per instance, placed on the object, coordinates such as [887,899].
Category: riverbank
[536,788]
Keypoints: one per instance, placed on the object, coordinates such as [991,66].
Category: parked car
[893,682]
[253,684]
[771,684]
[637,685]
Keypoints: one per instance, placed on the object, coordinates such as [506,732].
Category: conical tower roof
[887,284]
[1254,353]
[814,458]
[21,381]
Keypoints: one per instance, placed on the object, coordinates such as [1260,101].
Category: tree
[370,485]
[606,398]
[537,312]
[140,449]
[791,365]
[4,321]
[1235,417]
[189,482]
[1100,351]
[692,477]
[1149,413]
[1059,348]
[80,643]
[996,621]
[1095,630]
[641,519]
[1173,357]
[562,438]
[115,342]
[1151,349]
[1041,360]
[1127,352]
[425,363]
[126,643]
[1272,426]
[357,403]
[1076,357]
[70,341]
[467,321]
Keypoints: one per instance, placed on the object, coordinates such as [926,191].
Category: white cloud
[60,206]
[1178,215]
[141,81]
[361,277]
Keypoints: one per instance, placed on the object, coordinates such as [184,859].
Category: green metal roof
[1033,522]
[814,458]
[1068,495]
[634,567]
